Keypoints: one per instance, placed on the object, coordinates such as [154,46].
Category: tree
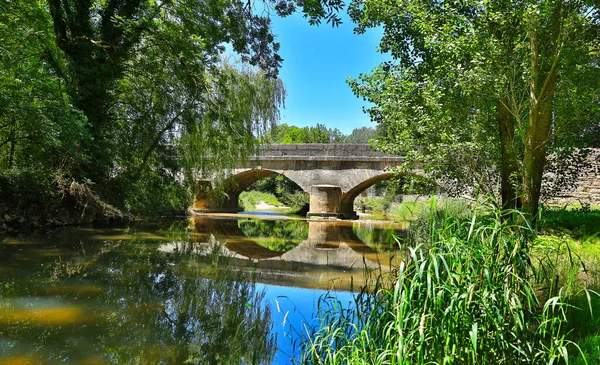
[479,87]
[361,135]
[286,134]
[101,40]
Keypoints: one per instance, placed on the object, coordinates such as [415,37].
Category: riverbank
[30,202]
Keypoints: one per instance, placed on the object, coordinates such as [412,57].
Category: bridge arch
[240,181]
[347,203]
[347,199]
[234,185]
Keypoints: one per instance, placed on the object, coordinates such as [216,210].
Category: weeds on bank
[567,253]
[465,294]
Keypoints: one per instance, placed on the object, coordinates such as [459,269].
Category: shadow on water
[171,292]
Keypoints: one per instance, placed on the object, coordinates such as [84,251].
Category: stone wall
[587,187]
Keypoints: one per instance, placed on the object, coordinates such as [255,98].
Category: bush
[152,195]
[19,189]
[33,198]
[297,201]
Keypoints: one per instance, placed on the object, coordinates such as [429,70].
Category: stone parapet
[322,152]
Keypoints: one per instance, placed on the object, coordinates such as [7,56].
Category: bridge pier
[326,202]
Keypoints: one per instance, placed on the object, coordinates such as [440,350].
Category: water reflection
[311,254]
[173,291]
[131,306]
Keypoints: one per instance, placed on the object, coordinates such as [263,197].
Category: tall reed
[461,296]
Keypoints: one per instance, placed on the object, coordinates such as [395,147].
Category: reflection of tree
[153,308]
[279,235]
[380,239]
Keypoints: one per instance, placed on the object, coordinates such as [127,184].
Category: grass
[407,210]
[474,289]
[250,199]
[567,250]
[580,224]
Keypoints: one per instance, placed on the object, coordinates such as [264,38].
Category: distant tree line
[287,134]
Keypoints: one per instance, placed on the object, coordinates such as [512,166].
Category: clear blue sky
[317,62]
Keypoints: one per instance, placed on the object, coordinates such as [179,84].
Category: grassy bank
[294,202]
[569,241]
[406,210]
[474,289]
[250,199]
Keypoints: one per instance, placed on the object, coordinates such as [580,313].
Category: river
[220,289]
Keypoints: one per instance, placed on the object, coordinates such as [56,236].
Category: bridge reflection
[299,253]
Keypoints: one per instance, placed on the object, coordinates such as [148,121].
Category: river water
[221,289]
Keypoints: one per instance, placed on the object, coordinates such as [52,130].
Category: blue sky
[317,62]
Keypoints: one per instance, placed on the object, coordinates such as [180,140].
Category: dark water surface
[212,290]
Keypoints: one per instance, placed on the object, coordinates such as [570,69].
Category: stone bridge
[333,175]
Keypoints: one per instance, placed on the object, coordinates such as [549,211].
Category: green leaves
[289,134]
[39,127]
[460,296]
[241,103]
[458,65]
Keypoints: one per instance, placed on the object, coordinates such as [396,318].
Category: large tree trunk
[536,146]
[544,63]
[96,48]
[508,158]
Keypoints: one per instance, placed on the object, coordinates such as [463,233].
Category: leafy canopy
[478,88]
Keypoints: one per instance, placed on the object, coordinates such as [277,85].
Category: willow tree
[483,86]
[243,102]
[180,118]
[104,41]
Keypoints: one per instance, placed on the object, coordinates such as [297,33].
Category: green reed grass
[463,295]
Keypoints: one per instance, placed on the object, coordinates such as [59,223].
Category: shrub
[153,195]
[297,201]
[32,198]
